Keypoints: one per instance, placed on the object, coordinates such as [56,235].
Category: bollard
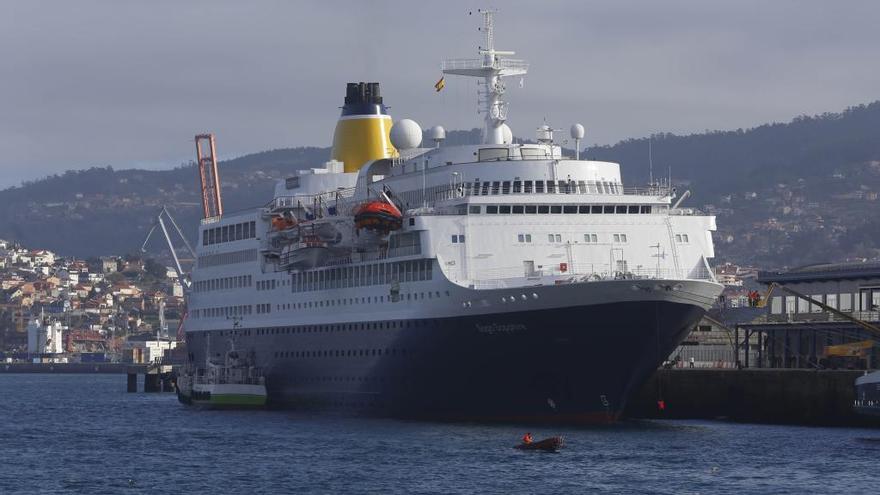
[132,382]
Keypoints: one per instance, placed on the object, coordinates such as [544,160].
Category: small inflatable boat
[552,444]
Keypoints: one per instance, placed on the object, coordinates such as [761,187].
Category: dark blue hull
[577,364]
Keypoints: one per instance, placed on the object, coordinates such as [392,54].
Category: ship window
[527,187]
[555,208]
[570,209]
[563,187]
[504,209]
[224,235]
[239,232]
[491,209]
[517,186]
[476,189]
[591,238]
[633,209]
[474,209]
[205,237]
[210,236]
[609,209]
[496,185]
[596,209]
[505,187]
[539,186]
[621,209]
[646,209]
[543,209]
[620,238]
[485,188]
[492,154]
[551,187]
[582,187]
[584,209]
[531,209]
[518,209]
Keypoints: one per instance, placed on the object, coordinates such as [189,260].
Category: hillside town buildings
[59,309]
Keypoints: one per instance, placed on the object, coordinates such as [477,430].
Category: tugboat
[233,384]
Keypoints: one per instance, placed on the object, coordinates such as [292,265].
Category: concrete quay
[777,396]
[157,378]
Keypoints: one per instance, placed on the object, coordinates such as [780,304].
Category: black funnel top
[363,99]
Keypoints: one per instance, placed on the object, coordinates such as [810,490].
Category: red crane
[206,157]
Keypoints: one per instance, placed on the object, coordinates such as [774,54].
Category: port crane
[160,224]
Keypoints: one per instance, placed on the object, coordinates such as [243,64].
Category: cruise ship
[498,281]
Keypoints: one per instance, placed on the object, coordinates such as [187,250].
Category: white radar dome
[437,133]
[506,134]
[577,131]
[406,134]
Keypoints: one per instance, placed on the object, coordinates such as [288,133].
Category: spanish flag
[440,84]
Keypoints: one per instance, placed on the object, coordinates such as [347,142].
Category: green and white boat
[233,384]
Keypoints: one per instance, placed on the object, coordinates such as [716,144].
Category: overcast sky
[127,84]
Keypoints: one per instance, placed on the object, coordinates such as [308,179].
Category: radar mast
[492,67]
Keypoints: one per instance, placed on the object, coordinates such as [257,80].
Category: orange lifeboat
[282,223]
[378,215]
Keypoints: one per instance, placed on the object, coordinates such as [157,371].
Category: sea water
[85,434]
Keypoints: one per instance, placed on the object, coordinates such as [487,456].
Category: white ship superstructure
[469,281]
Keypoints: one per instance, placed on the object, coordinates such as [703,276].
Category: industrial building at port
[784,330]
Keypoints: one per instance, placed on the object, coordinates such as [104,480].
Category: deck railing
[586,272]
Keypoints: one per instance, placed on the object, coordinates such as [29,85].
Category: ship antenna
[492,66]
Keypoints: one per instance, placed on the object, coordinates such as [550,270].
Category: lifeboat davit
[378,215]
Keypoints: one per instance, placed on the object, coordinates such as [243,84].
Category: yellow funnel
[362,132]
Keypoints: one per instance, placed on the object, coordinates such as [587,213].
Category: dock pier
[754,395]
[157,377]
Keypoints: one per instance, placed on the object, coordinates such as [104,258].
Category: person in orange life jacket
[527,438]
